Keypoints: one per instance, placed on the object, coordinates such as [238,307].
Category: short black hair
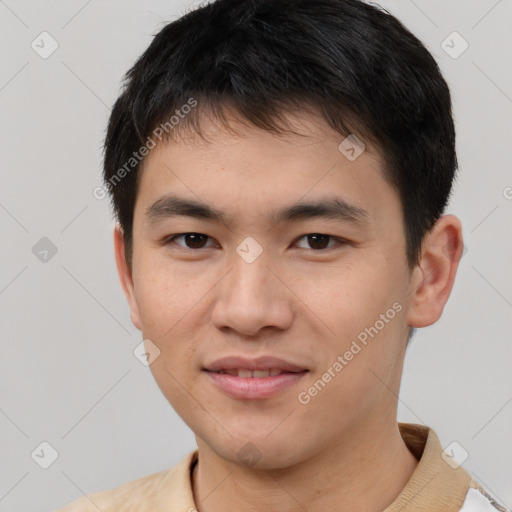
[352,62]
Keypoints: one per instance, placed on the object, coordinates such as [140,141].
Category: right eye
[192,240]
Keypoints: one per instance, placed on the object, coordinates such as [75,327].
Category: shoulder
[165,490]
[129,494]
[478,500]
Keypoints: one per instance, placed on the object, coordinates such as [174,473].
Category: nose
[253,297]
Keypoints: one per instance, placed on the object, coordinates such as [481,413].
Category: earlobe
[125,275]
[434,276]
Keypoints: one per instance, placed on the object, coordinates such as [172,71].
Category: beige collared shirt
[437,484]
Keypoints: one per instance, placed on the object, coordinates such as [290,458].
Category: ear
[125,275]
[432,279]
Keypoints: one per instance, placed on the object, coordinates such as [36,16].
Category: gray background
[68,373]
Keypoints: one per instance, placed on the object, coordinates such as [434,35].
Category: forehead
[252,169]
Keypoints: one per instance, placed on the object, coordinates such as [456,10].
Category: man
[279,171]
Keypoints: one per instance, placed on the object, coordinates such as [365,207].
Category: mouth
[252,374]
[261,378]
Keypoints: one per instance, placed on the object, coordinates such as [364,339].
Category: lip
[254,388]
[259,363]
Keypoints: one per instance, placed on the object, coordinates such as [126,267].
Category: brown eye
[192,240]
[319,241]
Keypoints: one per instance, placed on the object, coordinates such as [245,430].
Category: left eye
[319,241]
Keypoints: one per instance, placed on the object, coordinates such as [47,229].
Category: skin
[295,301]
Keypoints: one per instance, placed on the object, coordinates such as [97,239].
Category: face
[251,272]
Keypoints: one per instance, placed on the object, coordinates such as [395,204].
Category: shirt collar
[434,485]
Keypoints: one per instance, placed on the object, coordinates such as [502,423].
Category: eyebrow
[331,208]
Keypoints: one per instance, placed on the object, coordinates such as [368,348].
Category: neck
[365,471]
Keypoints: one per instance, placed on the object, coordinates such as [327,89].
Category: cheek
[350,298]
[359,375]
[169,302]
[164,296]
[363,308]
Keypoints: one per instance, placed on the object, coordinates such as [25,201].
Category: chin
[259,453]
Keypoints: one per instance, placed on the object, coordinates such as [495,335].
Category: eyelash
[341,241]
